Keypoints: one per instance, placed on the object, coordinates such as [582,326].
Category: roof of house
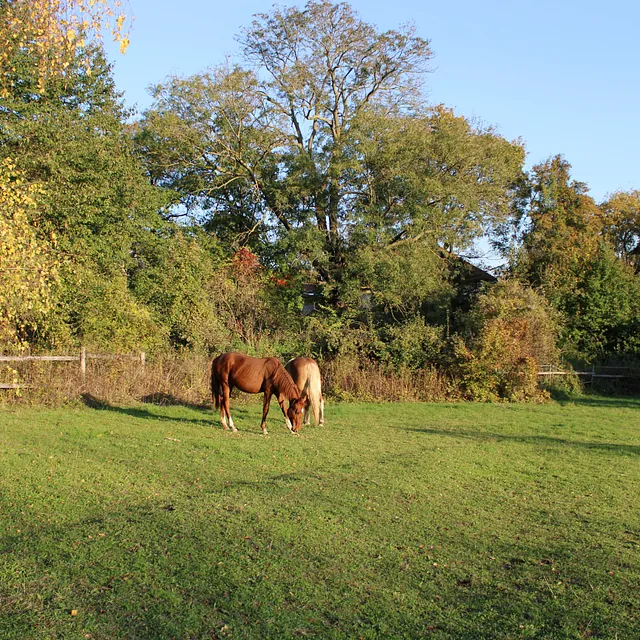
[473,273]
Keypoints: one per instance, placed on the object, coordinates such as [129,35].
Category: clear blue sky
[562,75]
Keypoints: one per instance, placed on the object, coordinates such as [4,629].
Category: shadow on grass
[623,449]
[109,608]
[168,400]
[140,412]
[209,417]
[620,402]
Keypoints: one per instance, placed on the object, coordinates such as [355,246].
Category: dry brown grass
[176,379]
[350,380]
[165,379]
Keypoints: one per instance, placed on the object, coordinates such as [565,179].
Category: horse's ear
[306,401]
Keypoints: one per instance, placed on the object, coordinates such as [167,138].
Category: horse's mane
[284,382]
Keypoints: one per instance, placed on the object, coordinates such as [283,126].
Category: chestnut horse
[255,375]
[306,374]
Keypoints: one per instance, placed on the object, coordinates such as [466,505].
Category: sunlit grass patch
[393,521]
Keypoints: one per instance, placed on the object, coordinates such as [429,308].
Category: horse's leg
[223,417]
[220,401]
[305,389]
[321,410]
[307,412]
[284,413]
[265,411]
[224,409]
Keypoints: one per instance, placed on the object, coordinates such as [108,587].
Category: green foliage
[433,174]
[601,310]
[399,278]
[564,387]
[622,224]
[96,201]
[415,344]
[173,274]
[309,173]
[332,336]
[511,332]
[109,318]
[315,162]
[564,222]
[566,254]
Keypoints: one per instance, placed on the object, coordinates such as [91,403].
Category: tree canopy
[321,147]
[312,168]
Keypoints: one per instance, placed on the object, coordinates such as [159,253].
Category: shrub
[511,332]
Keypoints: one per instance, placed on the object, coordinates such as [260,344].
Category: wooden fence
[594,372]
[81,358]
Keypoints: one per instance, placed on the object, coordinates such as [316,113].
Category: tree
[601,310]
[71,139]
[622,224]
[324,67]
[432,175]
[511,331]
[54,125]
[52,32]
[322,150]
[564,252]
[563,224]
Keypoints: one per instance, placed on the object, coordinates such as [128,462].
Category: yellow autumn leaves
[54,29]
[28,265]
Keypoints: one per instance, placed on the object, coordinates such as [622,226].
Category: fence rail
[81,358]
[594,372]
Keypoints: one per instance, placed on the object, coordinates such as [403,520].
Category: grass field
[393,521]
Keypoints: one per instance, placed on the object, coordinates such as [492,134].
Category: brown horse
[256,375]
[306,374]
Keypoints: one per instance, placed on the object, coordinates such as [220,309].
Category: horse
[306,374]
[256,375]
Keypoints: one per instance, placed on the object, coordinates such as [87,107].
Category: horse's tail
[314,390]
[215,386]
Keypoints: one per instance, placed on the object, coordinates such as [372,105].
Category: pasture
[460,521]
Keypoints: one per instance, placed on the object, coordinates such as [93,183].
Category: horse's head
[295,412]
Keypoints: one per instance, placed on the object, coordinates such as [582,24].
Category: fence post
[83,362]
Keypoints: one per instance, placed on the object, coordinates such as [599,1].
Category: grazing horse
[306,374]
[255,375]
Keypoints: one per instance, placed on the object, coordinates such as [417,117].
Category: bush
[511,332]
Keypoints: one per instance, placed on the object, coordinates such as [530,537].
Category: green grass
[394,521]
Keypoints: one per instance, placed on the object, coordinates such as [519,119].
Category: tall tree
[565,253]
[322,145]
[28,264]
[324,67]
[564,223]
[72,139]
